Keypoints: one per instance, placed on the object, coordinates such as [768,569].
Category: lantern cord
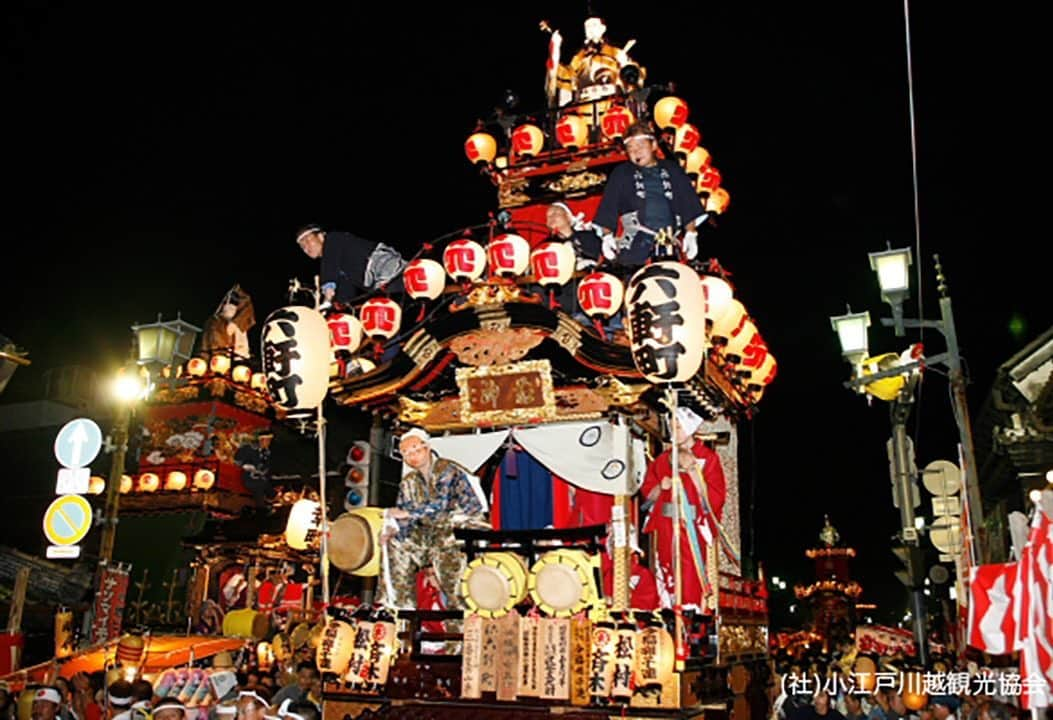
[914,156]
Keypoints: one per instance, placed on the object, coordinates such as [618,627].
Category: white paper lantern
[553,263]
[464,260]
[345,332]
[509,255]
[724,326]
[718,298]
[600,295]
[667,328]
[424,279]
[335,648]
[296,358]
[305,516]
[381,318]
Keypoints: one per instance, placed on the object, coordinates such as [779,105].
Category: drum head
[560,582]
[351,543]
[488,587]
[494,583]
[300,635]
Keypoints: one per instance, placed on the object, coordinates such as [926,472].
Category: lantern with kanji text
[527,141]
[424,279]
[296,358]
[600,295]
[480,148]
[305,518]
[687,139]
[729,322]
[708,179]
[717,201]
[696,161]
[553,264]
[670,113]
[738,340]
[718,294]
[667,333]
[464,260]
[509,255]
[572,132]
[616,121]
[345,332]
[381,318]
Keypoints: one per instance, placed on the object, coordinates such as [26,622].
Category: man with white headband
[169,708]
[435,497]
[351,265]
[703,491]
[566,226]
[253,704]
[647,194]
[46,703]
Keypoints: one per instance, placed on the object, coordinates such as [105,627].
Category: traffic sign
[72,481]
[63,552]
[949,505]
[942,478]
[78,443]
[67,520]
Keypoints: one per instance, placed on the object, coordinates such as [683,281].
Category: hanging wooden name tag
[471,658]
[357,669]
[529,636]
[580,644]
[624,658]
[488,657]
[554,668]
[508,656]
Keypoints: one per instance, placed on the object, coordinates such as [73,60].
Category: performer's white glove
[707,534]
[690,244]
[610,246]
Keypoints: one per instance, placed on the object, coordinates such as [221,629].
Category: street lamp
[165,342]
[851,329]
[893,271]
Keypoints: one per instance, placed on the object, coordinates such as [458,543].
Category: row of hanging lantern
[220,364]
[572,132]
[174,481]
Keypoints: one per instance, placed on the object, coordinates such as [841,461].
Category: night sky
[157,155]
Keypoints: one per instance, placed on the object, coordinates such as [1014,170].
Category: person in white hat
[351,265]
[435,497]
[702,496]
[46,703]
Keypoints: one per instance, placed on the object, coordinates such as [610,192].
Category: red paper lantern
[553,264]
[670,113]
[381,318]
[527,141]
[600,295]
[480,148]
[509,255]
[464,260]
[616,121]
[572,132]
[345,332]
[696,160]
[708,179]
[424,279]
[687,139]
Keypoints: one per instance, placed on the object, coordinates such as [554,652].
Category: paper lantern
[204,479]
[296,359]
[616,121]
[96,485]
[130,649]
[763,375]
[264,656]
[424,279]
[258,381]
[196,367]
[708,179]
[302,527]
[753,356]
[241,374]
[149,482]
[126,484]
[687,139]
[176,481]
[655,657]
[509,255]
[718,294]
[219,364]
[553,263]
[527,140]
[667,330]
[914,697]
[464,260]
[480,148]
[718,201]
[739,340]
[670,113]
[696,160]
[335,648]
[600,295]
[381,318]
[345,332]
[572,132]
[723,326]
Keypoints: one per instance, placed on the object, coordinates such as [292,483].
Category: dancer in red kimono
[702,477]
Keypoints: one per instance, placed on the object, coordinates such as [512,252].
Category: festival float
[489,353]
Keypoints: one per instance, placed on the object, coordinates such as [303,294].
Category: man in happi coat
[351,265]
